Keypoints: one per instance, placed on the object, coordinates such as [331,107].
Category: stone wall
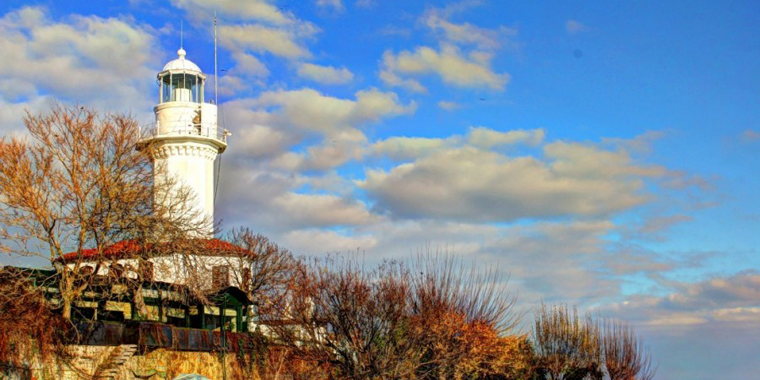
[153,365]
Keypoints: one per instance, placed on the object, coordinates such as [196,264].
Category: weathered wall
[202,363]
[154,365]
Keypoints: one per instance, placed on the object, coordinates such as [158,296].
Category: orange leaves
[457,348]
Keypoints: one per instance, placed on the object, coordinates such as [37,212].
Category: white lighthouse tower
[186,138]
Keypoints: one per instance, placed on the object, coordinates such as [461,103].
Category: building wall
[156,364]
[180,269]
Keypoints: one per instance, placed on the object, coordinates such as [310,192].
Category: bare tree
[566,346]
[351,320]
[437,321]
[78,184]
[623,355]
[458,315]
[259,267]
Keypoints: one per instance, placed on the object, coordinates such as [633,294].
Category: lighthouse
[185,139]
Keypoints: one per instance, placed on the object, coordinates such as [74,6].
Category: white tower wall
[186,118]
[190,165]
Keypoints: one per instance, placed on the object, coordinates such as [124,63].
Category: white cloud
[403,148]
[248,65]
[274,40]
[448,63]
[692,320]
[86,54]
[14,89]
[261,10]
[335,150]
[455,7]
[12,114]
[488,138]
[327,130]
[574,27]
[270,125]
[229,85]
[394,80]
[269,200]
[320,242]
[308,109]
[470,184]
[253,26]
[640,144]
[314,210]
[518,251]
[263,141]
[102,62]
[573,248]
[325,74]
[336,5]
[733,299]
[655,228]
[448,105]
[470,68]
[590,162]
[468,34]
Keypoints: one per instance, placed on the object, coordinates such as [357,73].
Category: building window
[220,276]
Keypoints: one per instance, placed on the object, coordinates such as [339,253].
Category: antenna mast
[216,73]
[181,34]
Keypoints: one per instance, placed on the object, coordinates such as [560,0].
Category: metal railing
[203,129]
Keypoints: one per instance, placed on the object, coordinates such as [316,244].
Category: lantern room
[181,80]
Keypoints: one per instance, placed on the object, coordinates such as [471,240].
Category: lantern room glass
[181,87]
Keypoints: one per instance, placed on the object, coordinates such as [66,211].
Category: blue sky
[603,154]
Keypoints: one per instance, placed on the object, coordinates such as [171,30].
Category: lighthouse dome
[182,63]
[181,80]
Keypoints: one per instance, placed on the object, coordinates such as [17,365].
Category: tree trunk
[66,308]
[139,301]
[65,287]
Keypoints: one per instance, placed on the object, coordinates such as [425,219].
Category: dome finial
[181,53]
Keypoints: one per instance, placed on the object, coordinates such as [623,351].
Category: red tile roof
[131,248]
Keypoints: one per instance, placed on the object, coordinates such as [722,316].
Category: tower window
[166,90]
[181,88]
